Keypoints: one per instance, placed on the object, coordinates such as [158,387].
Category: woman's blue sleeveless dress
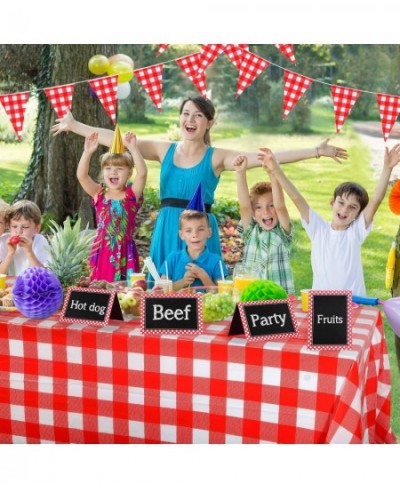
[182,183]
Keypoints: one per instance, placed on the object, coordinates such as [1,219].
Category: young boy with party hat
[195,265]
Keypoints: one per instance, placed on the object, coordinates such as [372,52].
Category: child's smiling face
[346,208]
[116,177]
[264,211]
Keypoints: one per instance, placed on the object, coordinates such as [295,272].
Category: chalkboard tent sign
[91,306]
[330,319]
[171,314]
[269,319]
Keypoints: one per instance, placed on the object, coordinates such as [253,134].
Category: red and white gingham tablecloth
[73,383]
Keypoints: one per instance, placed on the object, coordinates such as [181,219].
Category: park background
[246,123]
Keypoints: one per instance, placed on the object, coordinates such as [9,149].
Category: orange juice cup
[304,299]
[225,286]
[136,277]
[165,285]
[3,278]
[240,283]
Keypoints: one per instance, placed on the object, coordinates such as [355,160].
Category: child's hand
[188,278]
[18,240]
[392,157]
[194,270]
[64,124]
[240,163]
[130,140]
[268,160]
[91,143]
[334,152]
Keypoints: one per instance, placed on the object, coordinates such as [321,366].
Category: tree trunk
[50,180]
[396,290]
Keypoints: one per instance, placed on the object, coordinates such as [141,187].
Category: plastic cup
[136,277]
[304,299]
[164,285]
[3,284]
[225,286]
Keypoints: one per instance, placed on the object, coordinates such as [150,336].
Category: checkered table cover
[72,383]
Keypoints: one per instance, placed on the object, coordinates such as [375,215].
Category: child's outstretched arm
[275,170]
[82,171]
[278,197]
[141,168]
[392,158]
[240,165]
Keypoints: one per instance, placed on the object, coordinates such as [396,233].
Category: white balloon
[123,90]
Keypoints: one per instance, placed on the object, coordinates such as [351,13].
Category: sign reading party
[264,320]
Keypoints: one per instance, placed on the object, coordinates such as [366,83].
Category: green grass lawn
[316,179]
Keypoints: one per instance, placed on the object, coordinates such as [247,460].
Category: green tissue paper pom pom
[261,290]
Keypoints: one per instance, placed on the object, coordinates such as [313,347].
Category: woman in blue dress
[186,163]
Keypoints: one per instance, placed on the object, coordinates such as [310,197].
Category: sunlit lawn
[316,179]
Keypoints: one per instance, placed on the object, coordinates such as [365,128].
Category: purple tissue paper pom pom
[37,293]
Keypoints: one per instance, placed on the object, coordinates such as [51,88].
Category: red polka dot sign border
[330,347]
[166,331]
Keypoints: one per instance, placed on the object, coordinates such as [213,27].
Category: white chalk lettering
[275,319]
[159,313]
[77,305]
[100,309]
[334,319]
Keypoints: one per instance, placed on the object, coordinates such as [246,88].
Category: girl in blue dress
[186,163]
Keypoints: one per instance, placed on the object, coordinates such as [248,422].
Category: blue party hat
[197,201]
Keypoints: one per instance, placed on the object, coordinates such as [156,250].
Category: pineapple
[69,251]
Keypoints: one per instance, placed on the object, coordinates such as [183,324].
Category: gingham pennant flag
[161,48]
[60,98]
[15,105]
[208,53]
[295,86]
[343,101]
[106,91]
[250,67]
[151,80]
[235,53]
[287,50]
[389,109]
[189,65]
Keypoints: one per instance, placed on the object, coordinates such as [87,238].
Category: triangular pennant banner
[161,48]
[235,53]
[106,91]
[295,86]
[389,109]
[151,80]
[288,51]
[60,98]
[343,101]
[208,53]
[15,105]
[250,67]
[190,65]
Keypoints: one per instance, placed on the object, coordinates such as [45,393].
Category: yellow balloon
[123,70]
[121,57]
[98,64]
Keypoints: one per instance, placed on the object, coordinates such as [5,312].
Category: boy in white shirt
[336,245]
[22,247]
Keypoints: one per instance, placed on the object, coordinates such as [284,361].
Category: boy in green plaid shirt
[265,225]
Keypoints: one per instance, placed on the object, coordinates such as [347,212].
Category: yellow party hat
[117,146]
